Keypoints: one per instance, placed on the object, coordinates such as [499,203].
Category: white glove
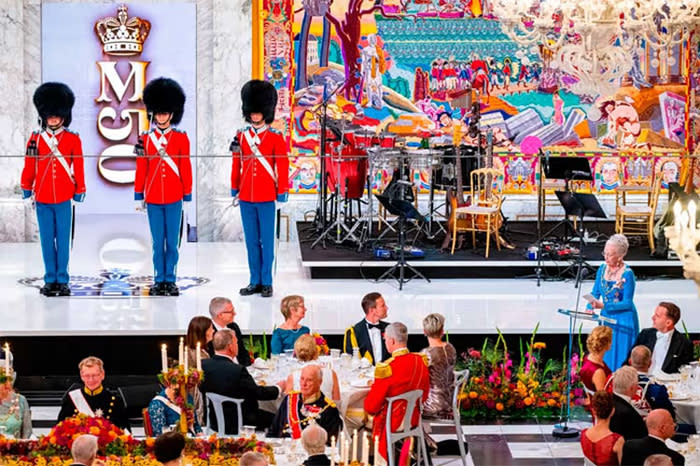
[140,206]
[235,202]
[29,202]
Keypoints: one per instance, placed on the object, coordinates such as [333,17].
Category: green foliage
[257,346]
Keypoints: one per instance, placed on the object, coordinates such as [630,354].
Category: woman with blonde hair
[614,294]
[594,371]
[306,352]
[15,416]
[284,336]
[442,357]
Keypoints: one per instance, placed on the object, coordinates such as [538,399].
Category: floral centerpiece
[499,386]
[257,348]
[117,448]
[187,382]
[321,344]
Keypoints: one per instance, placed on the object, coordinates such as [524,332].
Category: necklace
[13,408]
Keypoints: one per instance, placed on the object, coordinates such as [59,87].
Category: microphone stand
[540,201]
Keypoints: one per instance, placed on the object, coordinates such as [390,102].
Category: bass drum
[445,173]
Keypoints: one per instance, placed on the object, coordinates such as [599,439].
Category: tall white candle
[691,214]
[333,450]
[376,449]
[187,362]
[354,446]
[164,357]
[7,358]
[365,449]
[181,352]
[341,445]
[346,458]
[199,356]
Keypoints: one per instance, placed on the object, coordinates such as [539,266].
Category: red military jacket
[156,181]
[401,373]
[249,176]
[45,175]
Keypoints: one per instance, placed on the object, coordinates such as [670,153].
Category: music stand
[579,205]
[567,168]
[403,210]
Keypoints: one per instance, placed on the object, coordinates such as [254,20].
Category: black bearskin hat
[54,99]
[259,97]
[163,95]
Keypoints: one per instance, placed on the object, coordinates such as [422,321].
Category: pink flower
[474,353]
[490,404]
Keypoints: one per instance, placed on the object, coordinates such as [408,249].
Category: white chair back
[413,401]
[587,462]
[461,379]
[217,403]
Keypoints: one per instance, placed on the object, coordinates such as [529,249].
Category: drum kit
[356,161]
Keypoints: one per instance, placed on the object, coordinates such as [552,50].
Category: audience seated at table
[299,408]
[163,412]
[314,439]
[402,373]
[284,336]
[600,445]
[306,352]
[442,358]
[670,349]
[200,330]
[594,372]
[15,415]
[225,377]
[366,335]
[661,428]
[84,451]
[92,398]
[626,421]
[652,395]
[168,448]
[222,314]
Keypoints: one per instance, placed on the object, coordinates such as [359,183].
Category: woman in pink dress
[594,372]
[599,444]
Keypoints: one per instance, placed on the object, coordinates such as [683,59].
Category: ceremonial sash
[168,403]
[253,142]
[161,151]
[52,142]
[80,402]
[293,414]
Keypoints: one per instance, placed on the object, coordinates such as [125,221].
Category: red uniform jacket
[156,181]
[45,175]
[249,177]
[399,374]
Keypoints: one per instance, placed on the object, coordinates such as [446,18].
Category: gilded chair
[635,219]
[484,212]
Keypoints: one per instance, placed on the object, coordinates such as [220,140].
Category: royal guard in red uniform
[402,372]
[259,177]
[164,179]
[53,174]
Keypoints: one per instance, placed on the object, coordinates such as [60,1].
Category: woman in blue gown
[614,293]
[284,336]
[163,412]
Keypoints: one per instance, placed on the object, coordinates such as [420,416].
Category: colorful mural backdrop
[414,68]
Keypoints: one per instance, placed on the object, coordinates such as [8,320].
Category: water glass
[335,353]
[247,431]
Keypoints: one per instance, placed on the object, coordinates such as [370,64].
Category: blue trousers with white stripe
[165,221]
[259,230]
[55,222]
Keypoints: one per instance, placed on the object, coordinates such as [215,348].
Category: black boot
[171,289]
[62,289]
[156,289]
[47,289]
[250,289]
[266,291]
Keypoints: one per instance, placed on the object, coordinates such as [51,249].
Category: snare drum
[387,140]
[424,159]
[383,159]
[364,139]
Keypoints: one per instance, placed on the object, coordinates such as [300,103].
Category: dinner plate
[680,398]
[360,383]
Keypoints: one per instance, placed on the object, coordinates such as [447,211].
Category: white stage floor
[469,305]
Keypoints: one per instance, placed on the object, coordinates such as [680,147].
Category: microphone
[404,182]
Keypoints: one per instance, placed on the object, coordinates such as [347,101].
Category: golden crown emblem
[122,36]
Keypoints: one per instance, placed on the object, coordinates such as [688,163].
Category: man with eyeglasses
[93,399]
[661,428]
[222,313]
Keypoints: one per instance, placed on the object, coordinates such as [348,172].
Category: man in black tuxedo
[670,349]
[366,335]
[314,439]
[661,428]
[84,451]
[224,377]
[222,313]
[625,420]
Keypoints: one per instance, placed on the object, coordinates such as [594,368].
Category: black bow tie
[371,326]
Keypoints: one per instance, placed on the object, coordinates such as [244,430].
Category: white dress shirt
[658,356]
[375,336]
